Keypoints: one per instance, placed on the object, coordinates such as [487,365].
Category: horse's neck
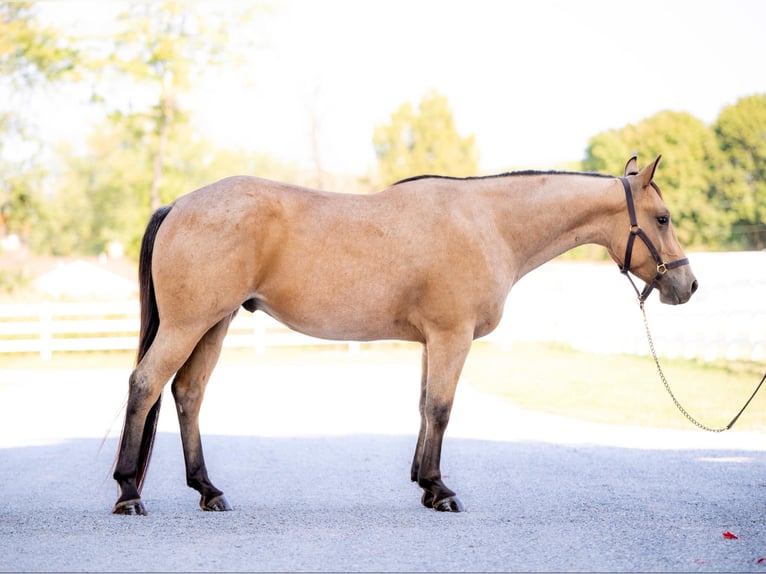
[543,216]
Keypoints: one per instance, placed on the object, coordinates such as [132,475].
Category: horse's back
[334,265]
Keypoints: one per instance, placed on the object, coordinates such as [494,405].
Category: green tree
[31,57]
[102,197]
[690,157]
[160,49]
[29,52]
[146,152]
[423,141]
[741,181]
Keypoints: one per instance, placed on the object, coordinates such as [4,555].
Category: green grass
[543,377]
[618,389]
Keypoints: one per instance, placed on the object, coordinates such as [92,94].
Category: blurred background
[110,109]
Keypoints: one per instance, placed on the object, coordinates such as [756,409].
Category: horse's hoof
[134,507]
[427,499]
[449,504]
[217,504]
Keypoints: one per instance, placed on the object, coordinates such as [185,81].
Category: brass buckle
[662,269]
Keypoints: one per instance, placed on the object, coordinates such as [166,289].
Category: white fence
[588,306]
[593,308]
[48,328]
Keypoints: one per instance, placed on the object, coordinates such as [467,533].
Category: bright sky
[533,80]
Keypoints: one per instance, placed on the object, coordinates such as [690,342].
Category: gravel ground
[315,461]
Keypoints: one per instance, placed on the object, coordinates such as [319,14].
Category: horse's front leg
[188,391]
[444,357]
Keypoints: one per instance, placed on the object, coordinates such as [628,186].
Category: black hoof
[217,504]
[132,507]
[449,504]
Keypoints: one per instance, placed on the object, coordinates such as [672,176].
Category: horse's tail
[150,323]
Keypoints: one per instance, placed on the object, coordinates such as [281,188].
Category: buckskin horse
[430,259]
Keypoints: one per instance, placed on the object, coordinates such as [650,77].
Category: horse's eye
[663,219]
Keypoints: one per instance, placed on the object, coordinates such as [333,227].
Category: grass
[619,389]
[543,377]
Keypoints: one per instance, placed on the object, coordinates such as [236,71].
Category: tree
[145,153]
[31,56]
[103,197]
[30,53]
[160,48]
[423,141]
[741,133]
[690,158]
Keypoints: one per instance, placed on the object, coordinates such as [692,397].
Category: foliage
[713,178]
[145,152]
[741,133]
[30,53]
[690,157]
[98,199]
[423,141]
[159,49]
[104,196]
[13,280]
[30,57]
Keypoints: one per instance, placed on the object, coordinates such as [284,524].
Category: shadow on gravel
[346,504]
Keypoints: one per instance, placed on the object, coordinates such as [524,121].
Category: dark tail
[150,323]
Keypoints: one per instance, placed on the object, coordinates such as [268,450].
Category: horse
[430,259]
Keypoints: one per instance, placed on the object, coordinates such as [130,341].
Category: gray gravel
[321,483]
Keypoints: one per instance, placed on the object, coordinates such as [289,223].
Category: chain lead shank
[683,411]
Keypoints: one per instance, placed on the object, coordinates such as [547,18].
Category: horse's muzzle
[673,293]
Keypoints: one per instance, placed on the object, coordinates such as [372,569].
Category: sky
[532,80]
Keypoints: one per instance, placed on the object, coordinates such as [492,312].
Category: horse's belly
[343,324]
[349,330]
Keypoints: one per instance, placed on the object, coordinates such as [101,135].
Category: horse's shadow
[517,494]
[358,470]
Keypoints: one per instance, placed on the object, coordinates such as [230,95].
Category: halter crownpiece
[636,231]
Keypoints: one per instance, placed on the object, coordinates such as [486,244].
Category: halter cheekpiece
[636,231]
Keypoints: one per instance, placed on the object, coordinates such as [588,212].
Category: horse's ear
[631,168]
[646,175]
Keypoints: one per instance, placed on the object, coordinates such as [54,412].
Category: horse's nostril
[694,286]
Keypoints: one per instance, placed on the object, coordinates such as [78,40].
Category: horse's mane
[506,174]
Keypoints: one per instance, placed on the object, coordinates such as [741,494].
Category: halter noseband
[636,231]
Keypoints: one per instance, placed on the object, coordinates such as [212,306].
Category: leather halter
[636,231]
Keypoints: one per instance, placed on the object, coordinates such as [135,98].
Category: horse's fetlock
[429,482]
[122,477]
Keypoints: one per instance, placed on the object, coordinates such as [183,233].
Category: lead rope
[684,412]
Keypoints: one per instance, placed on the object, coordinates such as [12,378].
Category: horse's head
[645,243]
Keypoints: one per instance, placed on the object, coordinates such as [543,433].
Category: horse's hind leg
[188,391]
[167,353]
[422,409]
